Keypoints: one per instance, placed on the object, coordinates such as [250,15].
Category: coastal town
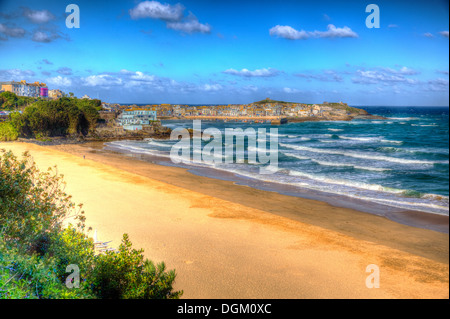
[117,119]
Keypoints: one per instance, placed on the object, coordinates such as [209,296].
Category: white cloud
[375,77]
[173,15]
[333,32]
[36,16]
[157,10]
[289,90]
[256,73]
[444,34]
[15,74]
[250,88]
[59,81]
[140,76]
[290,33]
[189,25]
[326,76]
[64,71]
[105,80]
[428,35]
[438,84]
[12,32]
[211,87]
[403,70]
[287,32]
[43,37]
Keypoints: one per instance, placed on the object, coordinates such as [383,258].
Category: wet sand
[233,241]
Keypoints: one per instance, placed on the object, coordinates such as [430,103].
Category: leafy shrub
[35,249]
[127,275]
[32,203]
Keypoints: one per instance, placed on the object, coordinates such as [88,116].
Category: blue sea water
[401,161]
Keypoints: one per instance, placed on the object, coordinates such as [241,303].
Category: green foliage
[9,100]
[7,132]
[127,275]
[28,276]
[65,116]
[35,248]
[32,202]
[270,101]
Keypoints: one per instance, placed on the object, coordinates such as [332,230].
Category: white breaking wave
[362,139]
[296,156]
[404,118]
[392,141]
[370,139]
[335,129]
[152,142]
[140,150]
[360,185]
[376,169]
[360,155]
[277,135]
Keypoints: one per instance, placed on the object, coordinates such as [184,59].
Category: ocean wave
[296,156]
[376,169]
[396,200]
[152,142]
[135,149]
[277,135]
[361,155]
[295,138]
[348,183]
[404,118]
[426,207]
[390,149]
[391,141]
[335,129]
[362,139]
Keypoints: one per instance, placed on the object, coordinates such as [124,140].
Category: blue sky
[214,52]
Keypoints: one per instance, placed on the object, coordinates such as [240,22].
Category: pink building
[44,92]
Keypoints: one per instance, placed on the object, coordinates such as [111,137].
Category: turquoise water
[402,161]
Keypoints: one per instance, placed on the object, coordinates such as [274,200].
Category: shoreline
[224,227]
[415,218]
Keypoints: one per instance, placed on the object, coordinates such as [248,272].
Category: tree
[65,116]
[7,100]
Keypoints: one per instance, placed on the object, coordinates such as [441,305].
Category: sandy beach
[232,241]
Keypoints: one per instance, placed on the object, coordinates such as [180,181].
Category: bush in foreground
[35,248]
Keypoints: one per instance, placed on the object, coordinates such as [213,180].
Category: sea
[399,163]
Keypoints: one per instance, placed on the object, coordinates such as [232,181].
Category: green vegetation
[65,116]
[7,132]
[9,101]
[347,108]
[35,248]
[268,100]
